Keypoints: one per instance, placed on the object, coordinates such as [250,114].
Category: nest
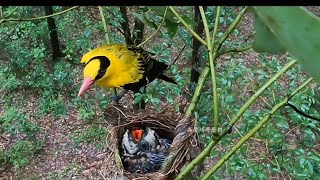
[166,124]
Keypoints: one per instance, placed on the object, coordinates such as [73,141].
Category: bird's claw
[117,98]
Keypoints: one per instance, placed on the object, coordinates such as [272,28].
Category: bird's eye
[104,64]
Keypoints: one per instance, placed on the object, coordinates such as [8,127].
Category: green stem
[10,13]
[216,23]
[256,95]
[187,25]
[197,91]
[196,160]
[231,27]
[254,130]
[213,72]
[199,159]
[41,17]
[238,49]
[105,26]
[147,39]
[211,144]
[205,72]
[104,22]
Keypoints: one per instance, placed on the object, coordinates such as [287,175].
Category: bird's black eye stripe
[104,64]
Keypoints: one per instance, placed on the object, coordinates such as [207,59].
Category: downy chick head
[150,140]
[130,141]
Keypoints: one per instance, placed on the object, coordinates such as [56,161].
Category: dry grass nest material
[166,124]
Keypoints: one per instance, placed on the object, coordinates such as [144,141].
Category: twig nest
[166,124]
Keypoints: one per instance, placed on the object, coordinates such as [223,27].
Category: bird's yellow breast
[124,67]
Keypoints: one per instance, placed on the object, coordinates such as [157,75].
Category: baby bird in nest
[143,151]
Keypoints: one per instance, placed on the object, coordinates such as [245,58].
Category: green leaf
[264,40]
[172,27]
[310,167]
[302,162]
[189,20]
[297,30]
[185,36]
[282,123]
[145,20]
[160,10]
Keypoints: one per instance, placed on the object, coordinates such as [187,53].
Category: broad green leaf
[145,20]
[302,162]
[298,30]
[310,167]
[264,40]
[172,27]
[282,123]
[189,20]
[160,10]
[185,36]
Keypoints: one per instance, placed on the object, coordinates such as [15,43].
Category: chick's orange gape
[119,65]
[137,134]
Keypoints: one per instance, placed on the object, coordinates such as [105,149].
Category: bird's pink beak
[87,83]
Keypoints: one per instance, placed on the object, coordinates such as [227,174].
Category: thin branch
[196,44]
[104,22]
[216,23]
[125,25]
[256,95]
[174,61]
[197,91]
[205,72]
[199,159]
[302,113]
[187,25]
[231,28]
[212,70]
[215,140]
[10,13]
[238,49]
[147,39]
[138,31]
[254,130]
[41,17]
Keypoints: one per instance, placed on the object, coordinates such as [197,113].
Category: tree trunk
[137,39]
[125,25]
[56,53]
[133,38]
[195,61]
[138,32]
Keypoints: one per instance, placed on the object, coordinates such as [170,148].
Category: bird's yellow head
[95,68]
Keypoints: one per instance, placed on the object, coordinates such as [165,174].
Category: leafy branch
[199,159]
[104,22]
[10,13]
[206,70]
[187,26]
[212,67]
[254,130]
[238,49]
[148,38]
[39,18]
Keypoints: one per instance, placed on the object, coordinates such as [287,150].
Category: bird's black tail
[156,69]
[166,78]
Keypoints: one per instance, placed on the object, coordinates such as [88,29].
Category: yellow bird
[119,65]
